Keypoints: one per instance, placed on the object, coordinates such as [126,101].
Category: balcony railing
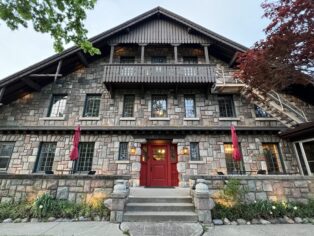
[151,73]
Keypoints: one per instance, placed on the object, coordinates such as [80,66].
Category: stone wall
[273,188]
[77,188]
[32,109]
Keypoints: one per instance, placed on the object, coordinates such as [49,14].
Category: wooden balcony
[159,73]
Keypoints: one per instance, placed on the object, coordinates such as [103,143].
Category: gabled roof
[31,79]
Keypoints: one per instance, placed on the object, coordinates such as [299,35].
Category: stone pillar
[119,198]
[206,46]
[203,204]
[111,53]
[182,163]
[142,52]
[175,48]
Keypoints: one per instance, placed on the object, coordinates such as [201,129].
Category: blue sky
[238,20]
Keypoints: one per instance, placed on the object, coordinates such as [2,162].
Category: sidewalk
[61,229]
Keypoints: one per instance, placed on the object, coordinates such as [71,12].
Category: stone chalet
[155,108]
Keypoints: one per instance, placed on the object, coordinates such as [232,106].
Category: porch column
[206,46]
[111,53]
[182,162]
[305,158]
[175,47]
[1,94]
[142,52]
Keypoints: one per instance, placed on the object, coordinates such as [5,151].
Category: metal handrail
[284,103]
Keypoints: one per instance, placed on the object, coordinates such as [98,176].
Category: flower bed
[46,208]
[264,212]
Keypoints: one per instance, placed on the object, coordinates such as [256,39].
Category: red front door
[158,165]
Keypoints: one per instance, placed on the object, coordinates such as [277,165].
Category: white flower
[41,206]
[255,201]
[295,208]
[271,212]
[273,207]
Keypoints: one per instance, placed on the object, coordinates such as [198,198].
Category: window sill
[52,118]
[122,162]
[89,118]
[229,119]
[197,162]
[159,118]
[191,119]
[265,119]
[127,118]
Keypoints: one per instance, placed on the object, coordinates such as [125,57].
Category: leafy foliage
[233,191]
[286,56]
[62,19]
[46,206]
[264,209]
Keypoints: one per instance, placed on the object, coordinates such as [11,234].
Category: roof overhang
[299,132]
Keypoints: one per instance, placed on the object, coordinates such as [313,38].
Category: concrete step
[165,199]
[161,216]
[160,207]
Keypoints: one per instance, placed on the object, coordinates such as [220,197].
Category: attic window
[57,105]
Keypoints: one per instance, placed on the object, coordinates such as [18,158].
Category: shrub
[264,209]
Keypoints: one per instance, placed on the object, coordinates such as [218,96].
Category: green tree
[62,19]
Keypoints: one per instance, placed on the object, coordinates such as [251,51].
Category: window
[226,107]
[128,105]
[45,157]
[85,160]
[194,152]
[57,106]
[92,104]
[260,113]
[272,157]
[189,104]
[6,149]
[123,151]
[233,166]
[159,106]
[159,60]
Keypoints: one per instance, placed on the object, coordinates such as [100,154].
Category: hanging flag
[236,154]
[74,155]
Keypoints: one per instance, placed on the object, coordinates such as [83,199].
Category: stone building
[156,105]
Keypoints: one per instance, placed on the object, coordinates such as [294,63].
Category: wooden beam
[58,70]
[1,94]
[233,59]
[45,75]
[30,83]
[82,58]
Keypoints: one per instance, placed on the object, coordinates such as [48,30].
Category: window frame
[123,145]
[39,158]
[241,167]
[152,103]
[228,98]
[198,151]
[280,162]
[260,113]
[7,157]
[78,161]
[52,102]
[194,105]
[124,104]
[86,104]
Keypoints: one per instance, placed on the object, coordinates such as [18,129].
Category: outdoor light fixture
[133,150]
[185,150]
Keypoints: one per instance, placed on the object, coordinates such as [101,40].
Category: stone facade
[273,188]
[77,188]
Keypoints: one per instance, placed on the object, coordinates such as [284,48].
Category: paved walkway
[151,229]
[61,229]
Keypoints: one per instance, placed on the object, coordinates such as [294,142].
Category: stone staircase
[159,205]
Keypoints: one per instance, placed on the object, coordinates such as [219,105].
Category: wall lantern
[185,150]
[133,150]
